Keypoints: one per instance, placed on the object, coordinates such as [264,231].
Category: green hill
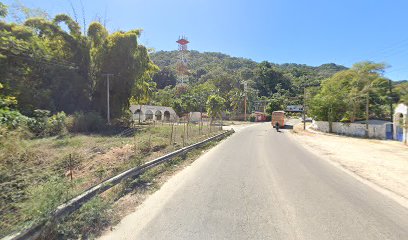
[217,73]
[201,64]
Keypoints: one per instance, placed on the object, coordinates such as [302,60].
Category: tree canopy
[48,63]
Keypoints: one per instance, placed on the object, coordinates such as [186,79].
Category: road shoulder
[382,165]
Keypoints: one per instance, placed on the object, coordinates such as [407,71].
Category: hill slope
[201,63]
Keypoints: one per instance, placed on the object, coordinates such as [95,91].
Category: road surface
[259,184]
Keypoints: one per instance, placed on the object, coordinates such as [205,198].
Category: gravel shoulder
[382,163]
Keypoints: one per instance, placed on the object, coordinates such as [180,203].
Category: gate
[388,131]
[399,133]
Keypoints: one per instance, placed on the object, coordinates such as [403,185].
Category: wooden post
[184,133]
[175,132]
[171,134]
[70,166]
[188,120]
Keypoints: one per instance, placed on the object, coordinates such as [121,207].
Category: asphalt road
[259,184]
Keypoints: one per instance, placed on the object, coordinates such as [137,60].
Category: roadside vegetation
[359,93]
[39,174]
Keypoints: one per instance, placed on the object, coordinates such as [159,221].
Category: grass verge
[37,175]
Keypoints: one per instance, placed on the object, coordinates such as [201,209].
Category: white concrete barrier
[352,129]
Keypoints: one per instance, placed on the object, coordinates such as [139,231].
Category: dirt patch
[384,163]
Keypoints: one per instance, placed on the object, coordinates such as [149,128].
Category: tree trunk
[140,112]
[330,126]
[329,118]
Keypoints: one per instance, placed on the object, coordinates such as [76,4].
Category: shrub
[85,122]
[12,118]
[57,124]
[252,118]
[345,120]
[38,124]
[126,120]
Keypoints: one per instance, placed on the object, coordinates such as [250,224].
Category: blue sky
[312,32]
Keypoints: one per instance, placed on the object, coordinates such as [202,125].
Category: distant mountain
[400,82]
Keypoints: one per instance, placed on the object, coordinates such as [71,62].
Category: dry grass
[26,164]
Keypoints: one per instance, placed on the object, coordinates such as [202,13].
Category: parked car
[308,119]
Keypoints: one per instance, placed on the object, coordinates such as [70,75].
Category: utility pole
[390,98]
[367,110]
[304,108]
[245,100]
[108,75]
[304,102]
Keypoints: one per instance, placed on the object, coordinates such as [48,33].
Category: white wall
[352,129]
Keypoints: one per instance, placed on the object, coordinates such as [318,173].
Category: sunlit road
[259,184]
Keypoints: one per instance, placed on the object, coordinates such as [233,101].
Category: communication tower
[182,69]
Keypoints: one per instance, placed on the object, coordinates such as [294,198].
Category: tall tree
[215,106]
[118,54]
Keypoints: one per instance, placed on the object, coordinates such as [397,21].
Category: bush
[345,120]
[57,124]
[38,124]
[252,118]
[12,118]
[42,125]
[85,122]
[126,120]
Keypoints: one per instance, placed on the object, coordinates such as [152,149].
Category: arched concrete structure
[166,116]
[149,112]
[137,114]
[158,115]
[149,115]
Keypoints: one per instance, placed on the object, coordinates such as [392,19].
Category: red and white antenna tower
[182,70]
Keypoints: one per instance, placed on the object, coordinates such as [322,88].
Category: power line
[389,49]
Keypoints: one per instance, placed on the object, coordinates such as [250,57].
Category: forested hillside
[203,63]
[280,84]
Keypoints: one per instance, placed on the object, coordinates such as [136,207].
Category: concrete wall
[352,129]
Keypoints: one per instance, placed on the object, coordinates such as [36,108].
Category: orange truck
[278,117]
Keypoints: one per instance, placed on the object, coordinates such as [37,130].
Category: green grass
[38,167]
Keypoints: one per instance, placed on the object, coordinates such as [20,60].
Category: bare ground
[384,163]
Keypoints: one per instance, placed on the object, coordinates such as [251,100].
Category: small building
[152,113]
[294,108]
[401,122]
